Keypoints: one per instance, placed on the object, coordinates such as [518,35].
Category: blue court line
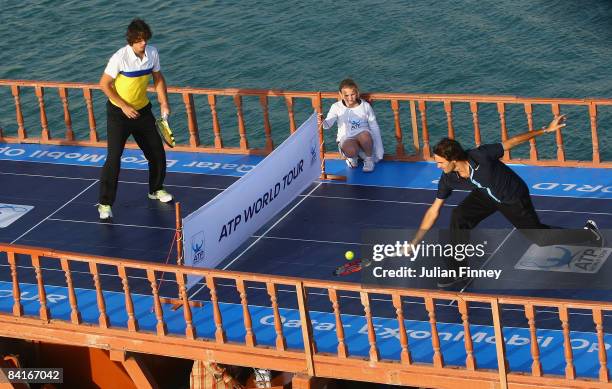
[546,181]
[584,344]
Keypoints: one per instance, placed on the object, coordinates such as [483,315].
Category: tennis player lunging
[128,112]
[494,187]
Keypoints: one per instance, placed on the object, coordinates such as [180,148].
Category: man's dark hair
[450,150]
[138,30]
[348,83]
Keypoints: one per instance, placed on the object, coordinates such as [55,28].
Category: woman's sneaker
[368,165]
[161,195]
[352,162]
[598,238]
[105,212]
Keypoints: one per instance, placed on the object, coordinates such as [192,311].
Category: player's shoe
[352,162]
[105,212]
[598,238]
[263,378]
[368,165]
[161,195]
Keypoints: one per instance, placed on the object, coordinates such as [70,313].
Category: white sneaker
[352,162]
[105,212]
[263,378]
[161,195]
[368,165]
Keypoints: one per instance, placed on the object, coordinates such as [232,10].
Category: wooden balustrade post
[42,295]
[161,326]
[405,356]
[426,146]
[63,93]
[438,360]
[470,360]
[604,374]
[220,336]
[192,121]
[93,132]
[475,121]
[190,331]
[415,127]
[246,314]
[244,144]
[212,102]
[500,345]
[75,315]
[536,365]
[533,151]
[317,105]
[129,304]
[17,307]
[281,343]
[289,102]
[103,317]
[448,108]
[501,109]
[570,370]
[333,297]
[21,131]
[40,95]
[365,301]
[594,136]
[179,234]
[399,141]
[263,101]
[310,347]
[558,135]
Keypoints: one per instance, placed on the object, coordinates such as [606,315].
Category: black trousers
[118,128]
[478,205]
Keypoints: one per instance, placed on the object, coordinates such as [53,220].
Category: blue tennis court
[307,239]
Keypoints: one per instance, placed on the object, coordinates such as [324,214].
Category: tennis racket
[352,267]
[163,128]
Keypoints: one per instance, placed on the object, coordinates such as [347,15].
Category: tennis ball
[349,255]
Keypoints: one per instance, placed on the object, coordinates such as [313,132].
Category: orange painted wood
[570,370]
[161,327]
[21,131]
[317,105]
[63,93]
[365,301]
[448,108]
[558,135]
[75,314]
[474,110]
[289,102]
[192,121]
[399,141]
[536,365]
[281,343]
[246,314]
[500,345]
[93,132]
[129,304]
[415,127]
[190,331]
[219,332]
[333,297]
[470,360]
[604,374]
[103,317]
[17,307]
[263,101]
[244,143]
[310,346]
[405,356]
[212,102]
[594,136]
[501,109]
[40,95]
[42,294]
[179,233]
[425,131]
[533,150]
[438,360]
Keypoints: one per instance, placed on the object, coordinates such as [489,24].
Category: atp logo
[355,124]
[571,259]
[197,247]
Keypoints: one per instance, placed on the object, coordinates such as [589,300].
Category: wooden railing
[430,117]
[16,262]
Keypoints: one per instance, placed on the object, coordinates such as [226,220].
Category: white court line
[56,211]
[114,224]
[45,176]
[310,240]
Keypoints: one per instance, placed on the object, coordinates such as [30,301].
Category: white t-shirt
[352,121]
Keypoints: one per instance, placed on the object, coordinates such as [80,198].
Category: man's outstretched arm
[556,124]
